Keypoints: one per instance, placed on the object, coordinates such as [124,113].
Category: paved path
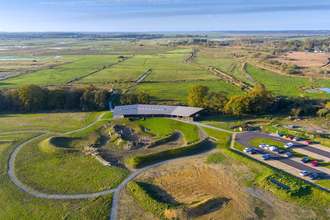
[244,139]
[206,126]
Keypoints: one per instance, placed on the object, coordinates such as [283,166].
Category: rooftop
[141,109]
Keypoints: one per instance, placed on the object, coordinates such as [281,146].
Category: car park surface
[244,139]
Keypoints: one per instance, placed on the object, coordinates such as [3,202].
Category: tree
[56,99]
[101,99]
[216,101]
[265,96]
[128,99]
[32,97]
[197,95]
[87,101]
[296,112]
[143,98]
[327,106]
[2,101]
[238,105]
[322,112]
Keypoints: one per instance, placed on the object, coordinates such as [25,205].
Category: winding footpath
[116,191]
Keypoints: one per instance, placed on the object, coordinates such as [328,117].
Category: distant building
[149,111]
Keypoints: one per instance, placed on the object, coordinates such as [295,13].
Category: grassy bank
[139,161]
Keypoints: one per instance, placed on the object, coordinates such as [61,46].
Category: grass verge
[224,138]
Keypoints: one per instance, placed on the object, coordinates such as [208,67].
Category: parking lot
[291,164]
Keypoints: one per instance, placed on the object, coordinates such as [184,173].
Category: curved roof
[141,109]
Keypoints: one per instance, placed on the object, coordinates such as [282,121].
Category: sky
[162,15]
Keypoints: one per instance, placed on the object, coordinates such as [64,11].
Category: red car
[315,163]
[308,142]
[290,137]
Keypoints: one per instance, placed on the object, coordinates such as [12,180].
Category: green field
[178,91]
[113,74]
[283,85]
[17,204]
[54,122]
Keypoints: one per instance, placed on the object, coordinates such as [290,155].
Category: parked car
[288,145]
[288,154]
[296,138]
[290,137]
[273,148]
[304,160]
[315,163]
[246,150]
[265,157]
[285,136]
[279,134]
[308,142]
[313,176]
[262,145]
[280,151]
[252,151]
[304,173]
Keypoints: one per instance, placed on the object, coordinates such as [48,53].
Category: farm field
[304,59]
[178,91]
[17,204]
[283,85]
[54,122]
[229,66]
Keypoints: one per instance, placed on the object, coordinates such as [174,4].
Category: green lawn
[163,126]
[67,173]
[107,115]
[16,204]
[324,182]
[178,91]
[215,158]
[238,146]
[55,122]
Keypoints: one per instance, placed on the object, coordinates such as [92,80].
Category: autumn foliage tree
[197,95]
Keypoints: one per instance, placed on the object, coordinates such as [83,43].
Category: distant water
[327,90]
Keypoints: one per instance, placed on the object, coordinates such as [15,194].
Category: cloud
[198,11]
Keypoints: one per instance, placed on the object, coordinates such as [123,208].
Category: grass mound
[139,161]
[52,145]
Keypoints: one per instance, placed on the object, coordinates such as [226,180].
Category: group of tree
[289,68]
[131,98]
[35,98]
[256,101]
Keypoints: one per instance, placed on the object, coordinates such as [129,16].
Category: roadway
[246,137]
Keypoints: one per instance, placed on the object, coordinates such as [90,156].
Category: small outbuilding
[149,111]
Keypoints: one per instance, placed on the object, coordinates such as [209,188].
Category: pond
[327,90]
